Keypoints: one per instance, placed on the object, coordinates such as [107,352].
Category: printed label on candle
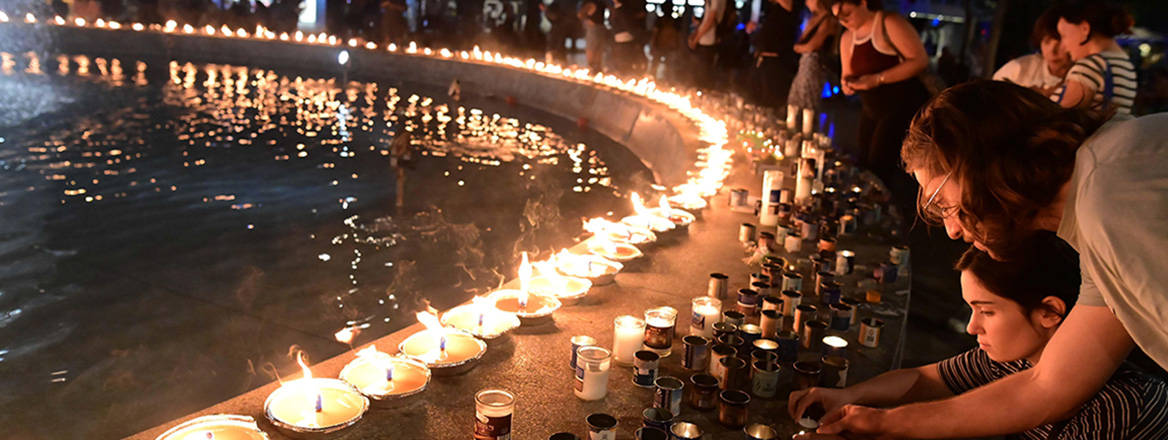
[644,376]
[658,337]
[492,428]
[698,321]
[579,378]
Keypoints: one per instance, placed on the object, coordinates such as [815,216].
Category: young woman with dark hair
[1103,78]
[1015,309]
[998,162]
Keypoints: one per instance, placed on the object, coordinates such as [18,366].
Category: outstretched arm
[1077,361]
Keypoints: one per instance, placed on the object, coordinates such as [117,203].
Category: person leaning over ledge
[1016,306]
[997,162]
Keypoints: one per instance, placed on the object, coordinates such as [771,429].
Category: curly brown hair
[1009,149]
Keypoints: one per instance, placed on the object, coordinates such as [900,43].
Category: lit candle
[551,283]
[621,252]
[532,308]
[706,311]
[803,181]
[217,427]
[383,377]
[480,319]
[443,350]
[598,269]
[659,329]
[645,218]
[629,334]
[679,217]
[592,369]
[314,405]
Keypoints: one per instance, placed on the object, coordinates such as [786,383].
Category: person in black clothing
[557,14]
[775,62]
[628,18]
[591,15]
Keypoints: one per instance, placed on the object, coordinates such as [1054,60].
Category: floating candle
[383,377]
[218,427]
[314,405]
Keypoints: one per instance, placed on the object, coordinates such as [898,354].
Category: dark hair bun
[1106,18]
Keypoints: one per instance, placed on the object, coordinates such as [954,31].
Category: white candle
[768,215]
[808,121]
[793,244]
[792,112]
[706,311]
[592,367]
[803,182]
[628,338]
[218,427]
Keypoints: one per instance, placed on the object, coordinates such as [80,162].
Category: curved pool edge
[665,141]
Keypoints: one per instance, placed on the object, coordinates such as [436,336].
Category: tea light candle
[218,427]
[619,232]
[314,405]
[629,334]
[532,308]
[679,217]
[383,377]
[659,329]
[562,287]
[645,218]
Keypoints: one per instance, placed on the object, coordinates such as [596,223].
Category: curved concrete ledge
[664,140]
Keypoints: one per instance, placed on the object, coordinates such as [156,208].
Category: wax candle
[706,311]
[480,319]
[443,348]
[659,329]
[381,376]
[592,369]
[620,252]
[218,427]
[315,405]
[629,333]
[803,181]
[598,269]
[493,412]
[562,287]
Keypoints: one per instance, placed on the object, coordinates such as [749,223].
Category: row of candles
[453,342]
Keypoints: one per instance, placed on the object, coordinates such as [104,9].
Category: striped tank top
[1111,76]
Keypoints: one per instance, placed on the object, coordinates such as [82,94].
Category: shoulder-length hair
[1009,149]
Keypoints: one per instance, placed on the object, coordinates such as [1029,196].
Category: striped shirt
[1131,405]
[1093,73]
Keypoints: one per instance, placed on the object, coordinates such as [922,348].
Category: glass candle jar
[659,329]
[706,312]
[629,334]
[592,367]
[493,411]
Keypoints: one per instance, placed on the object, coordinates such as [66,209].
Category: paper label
[492,428]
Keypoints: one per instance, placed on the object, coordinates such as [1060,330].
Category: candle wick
[442,344]
[319,402]
[210,435]
[481,320]
[389,374]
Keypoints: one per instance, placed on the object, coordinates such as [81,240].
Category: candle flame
[303,366]
[638,205]
[429,319]
[346,335]
[664,204]
[524,281]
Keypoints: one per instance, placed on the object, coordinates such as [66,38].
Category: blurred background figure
[774,62]
[1043,71]
[1103,77]
[591,14]
[814,49]
[628,29]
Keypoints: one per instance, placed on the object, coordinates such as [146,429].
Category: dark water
[168,232]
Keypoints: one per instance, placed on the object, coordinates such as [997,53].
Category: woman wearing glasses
[998,162]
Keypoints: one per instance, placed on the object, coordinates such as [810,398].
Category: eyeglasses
[937,212]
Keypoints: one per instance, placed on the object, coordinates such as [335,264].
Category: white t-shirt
[1028,71]
[713,12]
[1116,216]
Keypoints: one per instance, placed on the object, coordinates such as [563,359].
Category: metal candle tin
[765,379]
[845,262]
[686,431]
[563,436]
[885,273]
[870,332]
[820,278]
[749,333]
[645,366]
[855,305]
[759,431]
[668,394]
[793,243]
[834,372]
[759,278]
[703,391]
[738,197]
[841,316]
[724,328]
[717,352]
[818,264]
[792,281]
[647,433]
[733,317]
[697,353]
[899,256]
[746,232]
[770,322]
[803,314]
[732,408]
[774,272]
[826,244]
[601,426]
[807,374]
[718,286]
[830,292]
[813,332]
[735,371]
[749,300]
[577,342]
[659,418]
[791,299]
[773,302]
